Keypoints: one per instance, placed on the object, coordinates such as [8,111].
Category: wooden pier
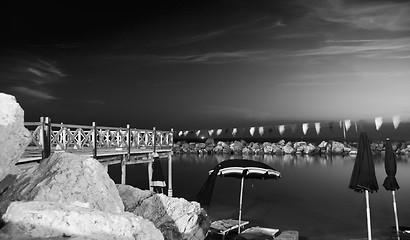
[109,145]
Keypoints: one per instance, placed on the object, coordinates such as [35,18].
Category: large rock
[14,137]
[177,218]
[41,219]
[337,147]
[65,177]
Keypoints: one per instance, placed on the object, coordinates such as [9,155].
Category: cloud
[295,35]
[22,69]
[390,16]
[220,32]
[44,72]
[372,48]
[34,93]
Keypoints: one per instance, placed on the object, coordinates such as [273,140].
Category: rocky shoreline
[72,196]
[282,147]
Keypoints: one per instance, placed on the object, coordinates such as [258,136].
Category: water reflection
[312,196]
[297,160]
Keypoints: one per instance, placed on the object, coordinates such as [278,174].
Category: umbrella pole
[395,214]
[369,228]
[240,205]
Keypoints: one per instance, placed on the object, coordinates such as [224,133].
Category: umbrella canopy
[363,175]
[158,180]
[237,168]
[390,164]
[390,183]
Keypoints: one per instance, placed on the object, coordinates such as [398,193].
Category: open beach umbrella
[237,168]
[390,183]
[363,176]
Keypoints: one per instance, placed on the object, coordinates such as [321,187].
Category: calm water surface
[312,196]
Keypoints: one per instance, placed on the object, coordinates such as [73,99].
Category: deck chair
[224,226]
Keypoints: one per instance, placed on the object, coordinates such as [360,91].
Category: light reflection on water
[312,195]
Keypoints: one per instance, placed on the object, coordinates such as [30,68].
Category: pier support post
[169,175]
[123,169]
[151,188]
[94,139]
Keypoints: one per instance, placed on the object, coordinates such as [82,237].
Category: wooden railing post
[94,141]
[46,138]
[42,137]
[154,139]
[63,136]
[169,175]
[123,169]
[170,192]
[128,142]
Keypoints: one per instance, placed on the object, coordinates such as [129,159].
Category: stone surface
[14,137]
[288,235]
[65,177]
[177,218]
[50,219]
[132,197]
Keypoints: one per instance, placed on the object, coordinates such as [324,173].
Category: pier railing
[47,137]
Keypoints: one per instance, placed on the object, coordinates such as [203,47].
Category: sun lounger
[263,230]
[224,226]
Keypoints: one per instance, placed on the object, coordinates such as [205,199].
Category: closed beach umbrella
[363,176]
[158,180]
[237,168]
[390,183]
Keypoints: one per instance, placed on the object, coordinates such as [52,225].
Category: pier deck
[109,145]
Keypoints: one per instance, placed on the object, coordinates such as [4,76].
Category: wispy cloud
[374,48]
[385,15]
[44,72]
[220,32]
[295,35]
[34,93]
[365,48]
[37,72]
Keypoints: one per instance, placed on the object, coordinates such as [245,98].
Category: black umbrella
[237,168]
[158,180]
[390,183]
[363,176]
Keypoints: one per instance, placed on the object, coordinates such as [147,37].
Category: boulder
[267,149]
[65,177]
[247,151]
[218,149]
[310,149]
[185,147]
[288,149]
[14,137]
[42,219]
[337,147]
[210,143]
[132,197]
[200,146]
[176,218]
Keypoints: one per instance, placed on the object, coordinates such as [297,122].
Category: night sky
[211,64]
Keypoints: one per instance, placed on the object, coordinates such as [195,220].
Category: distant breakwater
[282,147]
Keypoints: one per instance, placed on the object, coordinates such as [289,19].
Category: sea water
[312,196]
